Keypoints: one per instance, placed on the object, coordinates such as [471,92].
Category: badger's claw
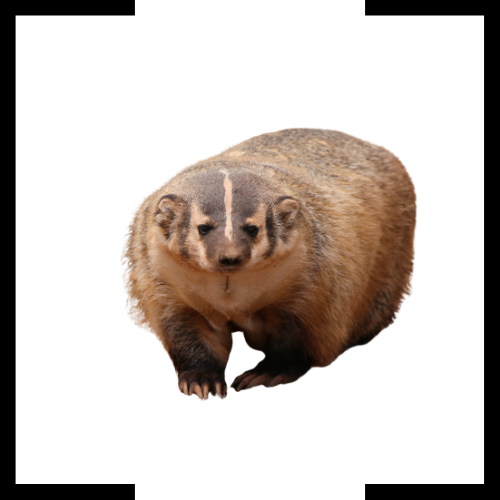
[202,384]
[270,372]
[252,378]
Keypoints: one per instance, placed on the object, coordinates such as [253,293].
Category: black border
[88,8]
[424,8]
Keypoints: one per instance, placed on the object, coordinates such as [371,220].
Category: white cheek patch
[262,244]
[228,202]
[261,248]
[196,248]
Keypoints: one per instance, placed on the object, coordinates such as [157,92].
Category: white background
[108,109]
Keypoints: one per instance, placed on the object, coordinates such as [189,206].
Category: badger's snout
[230,260]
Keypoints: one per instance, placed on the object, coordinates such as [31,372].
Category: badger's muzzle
[230,260]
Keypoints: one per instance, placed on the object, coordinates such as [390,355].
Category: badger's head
[226,221]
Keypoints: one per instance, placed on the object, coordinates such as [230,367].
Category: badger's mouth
[230,269]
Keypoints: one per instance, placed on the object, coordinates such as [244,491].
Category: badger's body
[302,239]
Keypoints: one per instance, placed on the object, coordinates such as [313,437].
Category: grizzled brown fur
[302,239]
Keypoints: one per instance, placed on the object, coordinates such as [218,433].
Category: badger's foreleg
[199,353]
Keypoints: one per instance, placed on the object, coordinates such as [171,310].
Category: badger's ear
[171,202]
[169,207]
[285,211]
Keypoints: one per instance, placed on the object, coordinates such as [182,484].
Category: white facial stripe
[228,201]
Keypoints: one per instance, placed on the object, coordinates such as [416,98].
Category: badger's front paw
[202,384]
[270,373]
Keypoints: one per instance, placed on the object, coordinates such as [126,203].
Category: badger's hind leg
[380,315]
[390,290]
[383,310]
[286,356]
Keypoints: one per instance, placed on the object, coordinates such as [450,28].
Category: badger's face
[227,222]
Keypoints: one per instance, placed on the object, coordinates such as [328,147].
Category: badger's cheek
[200,261]
[197,252]
[259,249]
[158,238]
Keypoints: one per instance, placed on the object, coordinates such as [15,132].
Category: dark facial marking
[183,228]
[209,194]
[249,191]
[271,232]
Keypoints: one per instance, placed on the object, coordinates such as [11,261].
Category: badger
[301,239]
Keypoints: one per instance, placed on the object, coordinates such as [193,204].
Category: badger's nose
[230,260]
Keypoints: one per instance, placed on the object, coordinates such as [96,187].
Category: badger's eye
[252,230]
[204,228]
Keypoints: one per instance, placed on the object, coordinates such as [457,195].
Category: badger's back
[319,153]
[361,196]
